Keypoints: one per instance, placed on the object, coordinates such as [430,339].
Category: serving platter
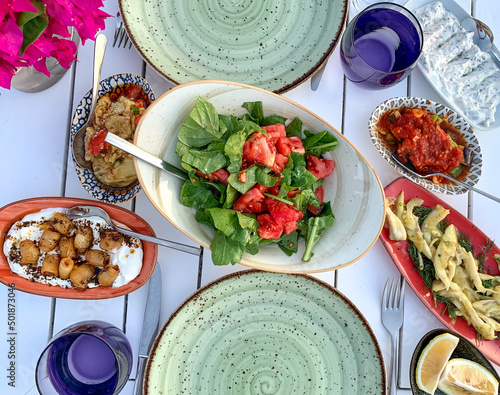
[354,190]
[444,112]
[273,45]
[399,254]
[438,83]
[15,211]
[261,332]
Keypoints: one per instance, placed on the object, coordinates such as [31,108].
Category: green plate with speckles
[257,332]
[271,44]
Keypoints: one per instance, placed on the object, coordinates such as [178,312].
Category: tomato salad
[255,180]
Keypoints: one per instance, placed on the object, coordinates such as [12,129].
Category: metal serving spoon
[139,153]
[483,37]
[78,212]
[407,167]
[78,143]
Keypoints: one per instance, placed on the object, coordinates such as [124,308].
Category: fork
[392,318]
[121,36]
[408,168]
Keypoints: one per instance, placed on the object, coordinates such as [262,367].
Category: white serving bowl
[354,190]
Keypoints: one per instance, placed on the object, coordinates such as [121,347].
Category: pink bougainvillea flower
[12,6]
[64,52]
[11,37]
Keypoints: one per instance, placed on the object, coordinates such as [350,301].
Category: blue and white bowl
[92,185]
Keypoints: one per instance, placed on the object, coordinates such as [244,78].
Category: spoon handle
[134,150]
[471,188]
[99,50]
[171,244]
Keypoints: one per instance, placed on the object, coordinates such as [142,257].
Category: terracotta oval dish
[355,193]
[259,332]
[399,254]
[273,45]
[465,349]
[17,210]
[92,185]
[443,112]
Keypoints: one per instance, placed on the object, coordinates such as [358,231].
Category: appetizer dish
[352,190]
[255,180]
[444,362]
[463,74]
[46,253]
[118,112]
[451,265]
[428,138]
[427,141]
[122,100]
[49,248]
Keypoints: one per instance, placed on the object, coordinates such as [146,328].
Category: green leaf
[272,120]
[234,150]
[202,126]
[231,197]
[33,28]
[208,160]
[254,175]
[289,243]
[294,129]
[255,110]
[225,250]
[316,227]
[195,194]
[319,144]
[295,173]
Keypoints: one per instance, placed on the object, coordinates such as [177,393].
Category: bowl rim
[250,87]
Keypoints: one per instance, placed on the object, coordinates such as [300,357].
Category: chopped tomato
[289,227]
[287,145]
[219,175]
[137,119]
[275,132]
[293,193]
[257,149]
[268,228]
[250,202]
[282,212]
[97,144]
[279,163]
[320,168]
[320,194]
[140,103]
[242,176]
[133,92]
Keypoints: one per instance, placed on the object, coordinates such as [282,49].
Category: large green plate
[259,332]
[272,44]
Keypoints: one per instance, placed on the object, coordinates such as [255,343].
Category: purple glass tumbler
[89,357]
[381,46]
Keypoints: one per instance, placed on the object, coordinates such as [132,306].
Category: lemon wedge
[464,377]
[432,361]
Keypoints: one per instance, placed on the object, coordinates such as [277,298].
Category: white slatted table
[35,161]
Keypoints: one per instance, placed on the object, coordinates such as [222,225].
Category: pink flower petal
[11,37]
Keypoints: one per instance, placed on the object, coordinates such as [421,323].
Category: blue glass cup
[89,357]
[381,46]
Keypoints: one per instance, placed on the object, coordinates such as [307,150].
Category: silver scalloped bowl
[92,185]
[444,112]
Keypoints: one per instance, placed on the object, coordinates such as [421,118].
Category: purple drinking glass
[381,46]
[89,357]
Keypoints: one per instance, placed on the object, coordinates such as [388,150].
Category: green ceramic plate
[274,45]
[258,332]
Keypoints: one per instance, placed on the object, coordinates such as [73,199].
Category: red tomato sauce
[415,136]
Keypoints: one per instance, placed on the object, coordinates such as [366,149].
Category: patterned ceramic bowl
[92,185]
[443,112]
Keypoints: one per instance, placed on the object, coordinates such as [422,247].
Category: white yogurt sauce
[453,62]
[128,258]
